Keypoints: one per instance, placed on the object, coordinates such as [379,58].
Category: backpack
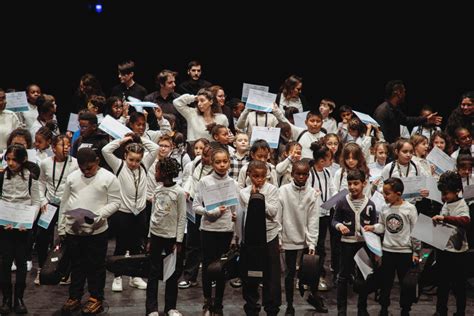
[393,167]
[121,166]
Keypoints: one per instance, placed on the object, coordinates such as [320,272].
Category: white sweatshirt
[213,220]
[244,179]
[16,189]
[272,209]
[458,208]
[397,222]
[8,122]
[299,216]
[330,125]
[196,123]
[248,119]
[168,216]
[51,190]
[133,184]
[100,194]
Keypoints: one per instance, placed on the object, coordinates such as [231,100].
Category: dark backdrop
[344,52]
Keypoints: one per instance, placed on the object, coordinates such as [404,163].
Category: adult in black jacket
[128,86]
[462,116]
[195,82]
[390,117]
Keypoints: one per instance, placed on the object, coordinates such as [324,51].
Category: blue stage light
[98,8]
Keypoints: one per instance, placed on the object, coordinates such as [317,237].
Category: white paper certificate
[169,265]
[17,102]
[373,242]
[363,262]
[365,118]
[18,215]
[413,185]
[73,123]
[247,86]
[436,236]
[260,100]
[300,118]
[441,160]
[270,134]
[220,194]
[113,127]
[46,217]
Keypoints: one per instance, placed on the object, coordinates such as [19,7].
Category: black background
[345,52]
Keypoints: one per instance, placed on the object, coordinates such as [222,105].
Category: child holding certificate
[19,185]
[216,226]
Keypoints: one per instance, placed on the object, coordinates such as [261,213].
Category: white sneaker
[117,285]
[37,279]
[174,312]
[154,314]
[29,265]
[13,266]
[137,283]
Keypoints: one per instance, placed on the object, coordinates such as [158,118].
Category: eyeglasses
[165,146]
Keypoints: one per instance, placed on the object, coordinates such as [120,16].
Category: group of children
[150,190]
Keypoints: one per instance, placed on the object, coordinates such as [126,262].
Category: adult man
[194,83]
[128,86]
[165,82]
[390,117]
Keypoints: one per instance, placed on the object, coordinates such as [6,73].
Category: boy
[241,155]
[326,107]
[97,190]
[346,114]
[300,220]
[452,261]
[396,222]
[353,212]
[267,194]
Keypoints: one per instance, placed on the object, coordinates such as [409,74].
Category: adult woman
[290,94]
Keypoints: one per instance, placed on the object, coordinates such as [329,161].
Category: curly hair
[450,181]
[169,168]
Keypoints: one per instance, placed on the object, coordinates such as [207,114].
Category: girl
[259,186]
[380,159]
[131,172]
[334,144]
[8,121]
[427,129]
[46,117]
[420,145]
[240,156]
[440,140]
[54,171]
[115,108]
[464,165]
[179,152]
[345,113]
[260,150]
[404,166]
[167,225]
[43,138]
[19,186]
[351,158]
[33,92]
[220,134]
[321,180]
[216,227]
[359,133]
[283,169]
[206,112]
[137,124]
[464,142]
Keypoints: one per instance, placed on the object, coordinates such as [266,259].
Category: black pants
[394,262]
[87,255]
[346,269]
[452,275]
[157,245]
[324,225]
[45,239]
[13,246]
[193,250]
[335,240]
[271,284]
[214,245]
[290,273]
[128,232]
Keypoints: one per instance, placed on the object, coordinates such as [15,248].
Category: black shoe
[318,303]
[362,312]
[290,311]
[6,307]
[20,307]
[383,312]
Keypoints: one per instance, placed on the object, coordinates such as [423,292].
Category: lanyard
[136,182]
[60,177]
[325,196]
[256,119]
[400,171]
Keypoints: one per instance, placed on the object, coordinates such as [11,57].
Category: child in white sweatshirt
[299,218]
[400,251]
[292,154]
[168,220]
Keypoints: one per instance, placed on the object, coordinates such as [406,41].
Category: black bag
[55,266]
[309,271]
[226,267]
[420,277]
[134,266]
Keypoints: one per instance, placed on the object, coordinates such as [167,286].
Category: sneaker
[71,305]
[213,283]
[66,280]
[318,303]
[174,312]
[186,284]
[13,266]
[117,285]
[137,283]
[323,286]
[236,283]
[37,279]
[154,314]
[92,307]
[29,265]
